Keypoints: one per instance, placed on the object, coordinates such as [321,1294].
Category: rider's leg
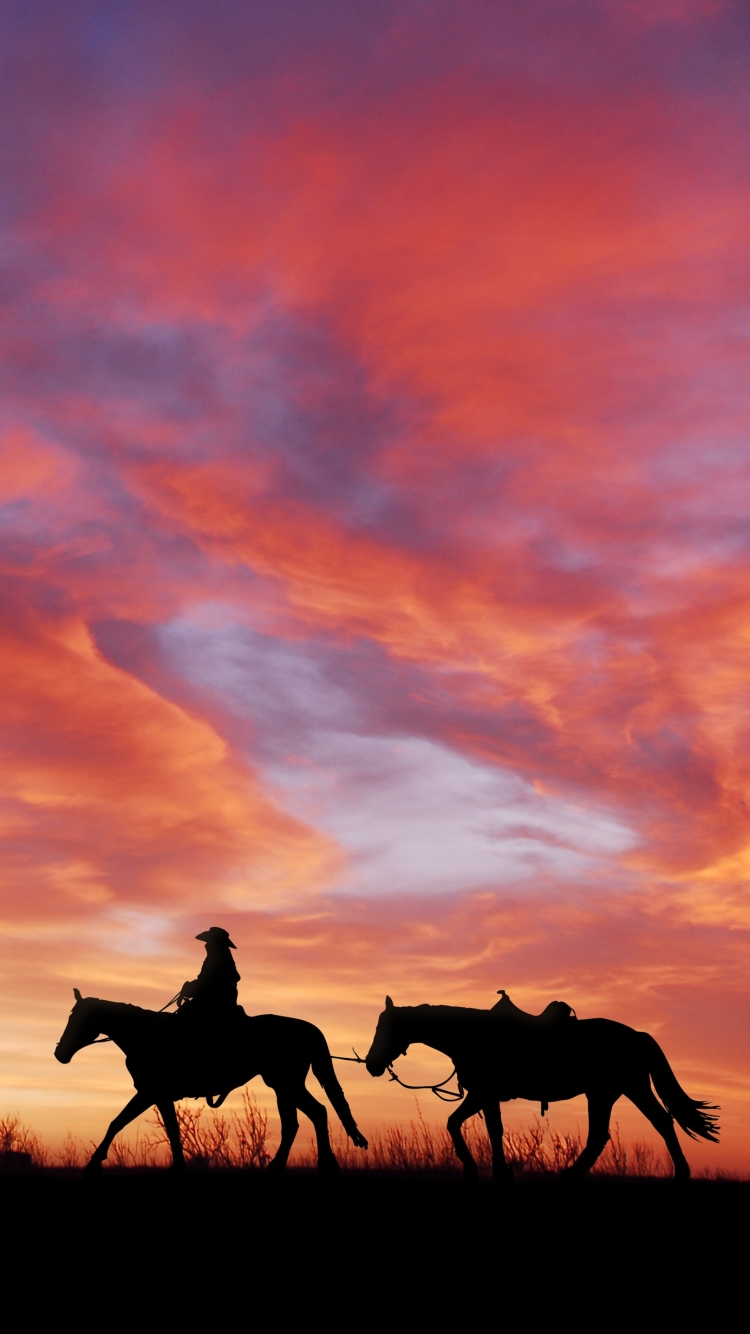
[289,1127]
[138,1104]
[171,1125]
[319,1117]
[600,1110]
[470,1105]
[660,1119]
[501,1171]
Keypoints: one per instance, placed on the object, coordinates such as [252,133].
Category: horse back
[275,1033]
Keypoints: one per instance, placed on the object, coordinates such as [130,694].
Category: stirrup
[215,1100]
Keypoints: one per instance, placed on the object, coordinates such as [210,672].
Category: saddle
[210,1035]
[554,1013]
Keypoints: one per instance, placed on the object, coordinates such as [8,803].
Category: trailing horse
[503,1054]
[169,1060]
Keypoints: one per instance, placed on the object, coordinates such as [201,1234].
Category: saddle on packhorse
[554,1013]
[552,1016]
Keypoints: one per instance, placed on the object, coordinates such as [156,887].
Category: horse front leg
[502,1172]
[138,1104]
[469,1107]
[172,1127]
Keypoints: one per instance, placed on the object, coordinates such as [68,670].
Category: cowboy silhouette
[212,996]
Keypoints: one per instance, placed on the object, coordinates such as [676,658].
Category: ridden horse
[499,1056]
[168,1060]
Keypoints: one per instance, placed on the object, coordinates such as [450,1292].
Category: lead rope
[440,1091]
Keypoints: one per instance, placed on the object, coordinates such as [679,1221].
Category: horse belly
[544,1072]
[190,1074]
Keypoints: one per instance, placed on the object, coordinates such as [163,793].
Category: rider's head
[216,935]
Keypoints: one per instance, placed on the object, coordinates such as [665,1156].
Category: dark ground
[217,1247]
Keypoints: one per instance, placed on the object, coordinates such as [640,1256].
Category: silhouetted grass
[540,1150]
[241,1140]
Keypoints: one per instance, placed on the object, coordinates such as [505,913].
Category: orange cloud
[113,793]
[625,728]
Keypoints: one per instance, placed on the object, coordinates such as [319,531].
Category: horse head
[81,1029]
[386,1045]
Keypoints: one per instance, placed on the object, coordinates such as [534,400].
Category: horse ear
[388,1003]
[77,993]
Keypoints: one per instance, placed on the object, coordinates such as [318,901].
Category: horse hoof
[328,1167]
[93,1170]
[569,1178]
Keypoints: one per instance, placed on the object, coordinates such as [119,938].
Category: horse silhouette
[503,1054]
[168,1061]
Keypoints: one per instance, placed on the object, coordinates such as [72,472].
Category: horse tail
[698,1119]
[322,1068]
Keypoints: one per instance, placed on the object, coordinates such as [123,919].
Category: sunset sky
[375,522]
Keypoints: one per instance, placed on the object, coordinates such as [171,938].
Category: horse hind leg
[469,1107]
[289,1127]
[502,1172]
[600,1111]
[319,1117]
[172,1127]
[660,1119]
[139,1103]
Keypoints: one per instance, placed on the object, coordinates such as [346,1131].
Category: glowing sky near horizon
[374,496]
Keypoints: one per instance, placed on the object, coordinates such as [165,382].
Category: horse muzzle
[64,1060]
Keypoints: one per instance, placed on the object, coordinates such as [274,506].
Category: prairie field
[242,1141]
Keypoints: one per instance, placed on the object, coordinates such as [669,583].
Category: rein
[440,1091]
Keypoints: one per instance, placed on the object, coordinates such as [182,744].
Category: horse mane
[447,1011]
[120,1005]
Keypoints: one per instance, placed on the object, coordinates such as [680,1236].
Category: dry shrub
[240,1141]
[142,1153]
[70,1154]
[420,1148]
[539,1150]
[639,1161]
[17,1138]
[251,1134]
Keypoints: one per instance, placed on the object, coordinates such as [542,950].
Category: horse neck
[423,1024]
[115,1018]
